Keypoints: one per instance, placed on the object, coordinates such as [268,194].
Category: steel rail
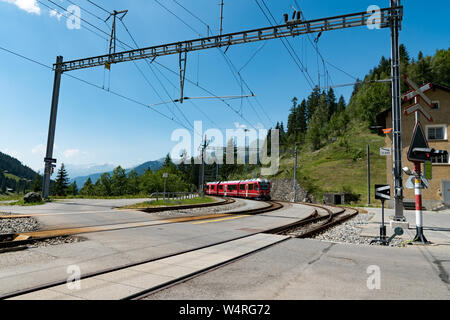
[274,206]
[145,293]
[18,240]
[291,28]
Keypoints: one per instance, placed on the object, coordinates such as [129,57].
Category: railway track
[313,224]
[316,224]
[19,241]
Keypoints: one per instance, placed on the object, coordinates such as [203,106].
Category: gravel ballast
[349,232]
[16,225]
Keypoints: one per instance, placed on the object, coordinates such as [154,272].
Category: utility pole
[202,170]
[221,17]
[295,174]
[49,161]
[396,114]
[217,171]
[368,175]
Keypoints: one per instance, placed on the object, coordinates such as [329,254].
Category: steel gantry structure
[389,17]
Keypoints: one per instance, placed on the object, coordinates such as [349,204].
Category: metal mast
[396,112]
[388,17]
[221,17]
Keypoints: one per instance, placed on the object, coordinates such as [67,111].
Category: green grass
[12,176]
[162,203]
[138,196]
[340,166]
[23,203]
[8,197]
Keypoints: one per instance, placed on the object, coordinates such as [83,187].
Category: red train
[254,188]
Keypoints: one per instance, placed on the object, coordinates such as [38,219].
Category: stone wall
[283,189]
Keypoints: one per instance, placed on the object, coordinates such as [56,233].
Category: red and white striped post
[418,198]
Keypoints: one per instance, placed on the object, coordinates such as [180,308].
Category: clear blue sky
[97,127]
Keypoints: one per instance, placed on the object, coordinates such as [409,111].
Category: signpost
[382,192]
[385,151]
[419,150]
[165,176]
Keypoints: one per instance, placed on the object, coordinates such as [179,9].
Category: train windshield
[264,185]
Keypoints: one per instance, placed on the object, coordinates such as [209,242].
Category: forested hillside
[332,136]
[14,175]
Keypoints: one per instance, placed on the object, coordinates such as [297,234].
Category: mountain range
[140,169]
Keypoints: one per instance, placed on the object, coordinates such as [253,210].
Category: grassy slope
[161,203]
[332,168]
[12,176]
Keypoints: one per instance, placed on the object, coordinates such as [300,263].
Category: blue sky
[95,127]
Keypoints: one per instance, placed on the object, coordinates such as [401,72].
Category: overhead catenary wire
[85,10]
[124,44]
[164,88]
[236,73]
[292,53]
[65,16]
[199,34]
[101,8]
[95,86]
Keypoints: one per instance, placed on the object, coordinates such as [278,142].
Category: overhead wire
[162,85]
[199,34]
[292,53]
[95,85]
[123,44]
[98,6]
[228,61]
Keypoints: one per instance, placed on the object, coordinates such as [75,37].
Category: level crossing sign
[418,94]
[382,192]
[418,142]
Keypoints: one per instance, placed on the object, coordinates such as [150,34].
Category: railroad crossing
[390,17]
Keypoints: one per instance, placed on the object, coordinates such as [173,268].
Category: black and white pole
[383,226]
[418,199]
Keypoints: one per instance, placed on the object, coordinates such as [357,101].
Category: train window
[256,187]
[250,187]
[221,187]
[264,186]
[242,187]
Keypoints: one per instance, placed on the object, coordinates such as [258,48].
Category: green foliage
[62,182]
[14,175]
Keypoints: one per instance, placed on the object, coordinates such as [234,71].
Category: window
[221,187]
[242,187]
[440,159]
[435,105]
[264,186]
[437,132]
[250,187]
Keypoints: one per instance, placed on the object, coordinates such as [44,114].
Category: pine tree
[118,182]
[88,188]
[133,183]
[301,122]
[292,118]
[331,102]
[341,104]
[73,189]
[37,183]
[62,181]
